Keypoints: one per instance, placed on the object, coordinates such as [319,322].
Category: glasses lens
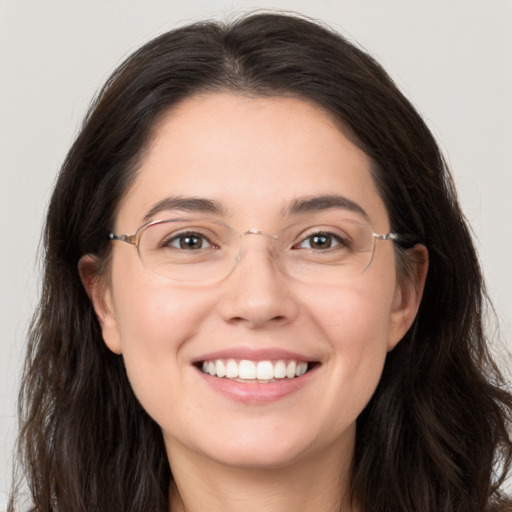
[204,250]
[340,248]
[187,249]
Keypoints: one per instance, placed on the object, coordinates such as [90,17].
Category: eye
[320,241]
[189,241]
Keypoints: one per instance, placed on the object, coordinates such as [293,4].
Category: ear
[100,294]
[408,293]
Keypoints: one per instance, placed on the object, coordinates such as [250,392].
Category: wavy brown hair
[434,437]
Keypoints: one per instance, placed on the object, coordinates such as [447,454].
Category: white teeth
[220,368]
[280,370]
[247,370]
[231,369]
[290,369]
[265,370]
[255,370]
[302,368]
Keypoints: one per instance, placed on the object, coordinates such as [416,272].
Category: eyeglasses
[204,250]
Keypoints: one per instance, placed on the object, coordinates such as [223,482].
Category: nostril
[254,323]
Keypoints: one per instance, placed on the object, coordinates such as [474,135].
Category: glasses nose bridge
[269,236]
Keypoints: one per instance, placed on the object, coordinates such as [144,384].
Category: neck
[319,484]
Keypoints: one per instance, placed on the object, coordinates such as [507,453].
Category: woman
[259,293]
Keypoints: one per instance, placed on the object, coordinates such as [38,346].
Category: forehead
[253,155]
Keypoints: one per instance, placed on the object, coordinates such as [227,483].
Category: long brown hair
[434,436]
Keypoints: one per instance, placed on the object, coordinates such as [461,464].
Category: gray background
[452,58]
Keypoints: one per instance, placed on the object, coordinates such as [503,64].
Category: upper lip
[254,354]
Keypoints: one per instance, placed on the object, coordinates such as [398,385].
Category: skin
[254,156]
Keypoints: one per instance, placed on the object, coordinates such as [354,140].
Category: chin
[258,457]
[270,448]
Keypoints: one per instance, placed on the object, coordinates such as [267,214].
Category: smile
[260,371]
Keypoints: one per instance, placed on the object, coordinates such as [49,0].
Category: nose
[257,293]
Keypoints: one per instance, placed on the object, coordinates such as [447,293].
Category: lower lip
[255,392]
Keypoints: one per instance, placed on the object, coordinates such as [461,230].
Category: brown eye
[320,241]
[189,242]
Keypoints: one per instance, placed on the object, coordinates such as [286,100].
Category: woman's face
[255,160]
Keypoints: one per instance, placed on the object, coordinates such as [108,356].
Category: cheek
[155,320]
[354,315]
[354,323]
[153,314]
[151,320]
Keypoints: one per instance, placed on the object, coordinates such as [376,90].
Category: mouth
[261,372]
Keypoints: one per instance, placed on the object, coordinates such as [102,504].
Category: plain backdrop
[452,58]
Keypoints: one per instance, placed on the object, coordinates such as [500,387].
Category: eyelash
[337,240]
[168,242]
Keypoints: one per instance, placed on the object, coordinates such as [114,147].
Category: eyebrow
[323,202]
[297,206]
[189,204]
